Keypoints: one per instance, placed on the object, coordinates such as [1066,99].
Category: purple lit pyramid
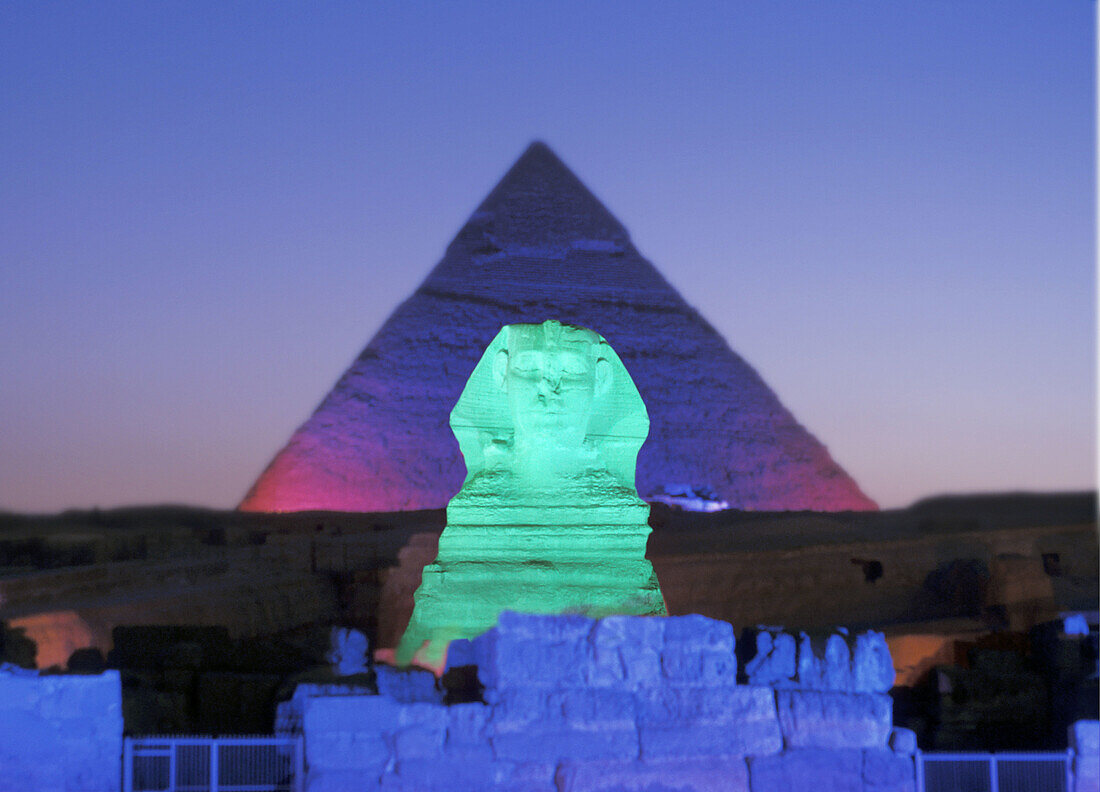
[540,247]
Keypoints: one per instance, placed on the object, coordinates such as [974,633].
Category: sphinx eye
[525,363]
[574,366]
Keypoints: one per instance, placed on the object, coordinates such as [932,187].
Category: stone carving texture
[778,662]
[548,519]
[347,652]
[541,245]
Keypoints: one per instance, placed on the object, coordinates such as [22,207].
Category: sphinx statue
[548,519]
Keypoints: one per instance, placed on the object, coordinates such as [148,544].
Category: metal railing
[245,763]
[999,772]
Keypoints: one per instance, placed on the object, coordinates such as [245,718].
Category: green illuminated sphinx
[548,519]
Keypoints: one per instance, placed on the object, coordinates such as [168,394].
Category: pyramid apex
[540,207]
[540,146]
[539,150]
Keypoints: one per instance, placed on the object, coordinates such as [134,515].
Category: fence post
[993,772]
[213,765]
[172,766]
[127,764]
[1070,754]
[299,764]
[918,764]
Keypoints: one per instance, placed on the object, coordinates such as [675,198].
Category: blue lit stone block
[726,774]
[466,723]
[339,780]
[466,776]
[808,770]
[825,719]
[325,714]
[598,708]
[887,771]
[418,742]
[552,745]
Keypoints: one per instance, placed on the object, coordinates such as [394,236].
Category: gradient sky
[207,209]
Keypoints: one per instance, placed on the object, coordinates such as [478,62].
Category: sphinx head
[552,374]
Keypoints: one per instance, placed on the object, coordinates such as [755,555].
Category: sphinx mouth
[548,406]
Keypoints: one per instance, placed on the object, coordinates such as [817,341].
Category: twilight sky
[207,209]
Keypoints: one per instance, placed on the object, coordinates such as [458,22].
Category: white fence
[212,764]
[275,764]
[999,772]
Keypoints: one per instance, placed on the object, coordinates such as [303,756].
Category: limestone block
[674,775]
[466,652]
[698,632]
[530,777]
[825,719]
[76,697]
[26,735]
[367,752]
[563,628]
[530,662]
[516,709]
[20,775]
[1084,739]
[347,652]
[466,725]
[691,705]
[888,771]
[775,662]
[836,669]
[626,652]
[872,666]
[527,651]
[689,740]
[551,745]
[288,714]
[339,780]
[807,770]
[60,733]
[422,714]
[350,732]
[481,652]
[597,708]
[418,742]
[718,721]
[903,741]
[871,669]
[698,651]
[407,685]
[19,689]
[327,714]
[810,674]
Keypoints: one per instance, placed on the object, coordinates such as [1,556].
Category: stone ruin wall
[627,704]
[621,704]
[60,733]
[624,703]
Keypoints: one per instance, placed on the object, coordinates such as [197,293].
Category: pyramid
[541,246]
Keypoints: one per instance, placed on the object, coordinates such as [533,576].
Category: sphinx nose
[551,381]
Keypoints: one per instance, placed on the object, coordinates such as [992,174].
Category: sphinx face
[550,379]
